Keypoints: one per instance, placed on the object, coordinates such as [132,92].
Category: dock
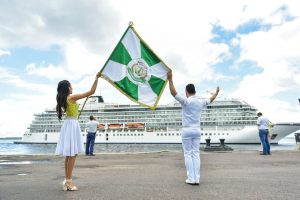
[158,175]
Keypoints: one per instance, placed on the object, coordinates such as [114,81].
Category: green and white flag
[135,70]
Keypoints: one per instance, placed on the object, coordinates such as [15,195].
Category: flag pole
[85,101]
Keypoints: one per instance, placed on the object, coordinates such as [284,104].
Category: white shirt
[191,109]
[92,126]
[263,122]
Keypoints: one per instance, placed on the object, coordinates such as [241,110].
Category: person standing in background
[263,131]
[91,136]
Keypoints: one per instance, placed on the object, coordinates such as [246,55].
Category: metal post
[297,138]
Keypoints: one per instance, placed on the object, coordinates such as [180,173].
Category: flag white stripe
[159,70]
[146,94]
[115,71]
[132,44]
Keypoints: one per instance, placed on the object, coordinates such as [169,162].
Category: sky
[250,48]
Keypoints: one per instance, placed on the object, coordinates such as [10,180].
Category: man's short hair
[259,114]
[190,88]
[91,117]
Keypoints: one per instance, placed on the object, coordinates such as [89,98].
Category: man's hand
[169,75]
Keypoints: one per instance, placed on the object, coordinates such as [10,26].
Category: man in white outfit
[263,131]
[91,136]
[191,113]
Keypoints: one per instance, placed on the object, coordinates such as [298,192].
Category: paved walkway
[236,175]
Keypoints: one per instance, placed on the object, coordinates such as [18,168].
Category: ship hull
[245,135]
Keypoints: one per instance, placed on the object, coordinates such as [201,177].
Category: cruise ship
[231,119]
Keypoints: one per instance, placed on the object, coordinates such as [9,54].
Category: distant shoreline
[10,138]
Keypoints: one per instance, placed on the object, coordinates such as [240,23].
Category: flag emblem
[138,70]
[135,70]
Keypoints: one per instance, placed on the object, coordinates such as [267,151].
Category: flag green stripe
[148,55]
[156,84]
[120,55]
[128,87]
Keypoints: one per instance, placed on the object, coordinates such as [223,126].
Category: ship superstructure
[231,119]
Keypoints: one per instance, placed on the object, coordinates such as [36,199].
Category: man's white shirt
[191,109]
[263,122]
[92,126]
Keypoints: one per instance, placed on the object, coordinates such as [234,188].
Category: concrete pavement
[234,175]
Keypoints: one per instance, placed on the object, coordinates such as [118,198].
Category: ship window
[130,134]
[172,134]
[142,134]
[161,134]
[169,134]
[127,134]
[201,133]
[134,134]
[227,133]
[138,134]
[117,134]
[205,133]
[82,134]
[165,134]
[177,134]
[157,134]
[218,133]
[222,133]
[113,134]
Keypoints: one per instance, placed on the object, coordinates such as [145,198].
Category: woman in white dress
[70,142]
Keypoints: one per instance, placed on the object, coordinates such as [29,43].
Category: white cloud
[179,34]
[16,81]
[235,42]
[232,14]
[4,52]
[277,52]
[50,72]
[35,25]
[78,62]
[17,109]
[17,112]
[178,31]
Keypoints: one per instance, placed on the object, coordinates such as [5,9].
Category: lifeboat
[101,126]
[114,126]
[134,125]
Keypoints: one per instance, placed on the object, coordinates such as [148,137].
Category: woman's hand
[98,75]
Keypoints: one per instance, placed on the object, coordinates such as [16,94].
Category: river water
[7,147]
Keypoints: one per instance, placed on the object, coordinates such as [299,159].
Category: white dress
[70,141]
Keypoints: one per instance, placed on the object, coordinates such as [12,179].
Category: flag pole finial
[130,23]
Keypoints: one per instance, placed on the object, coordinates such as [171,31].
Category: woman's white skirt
[70,142]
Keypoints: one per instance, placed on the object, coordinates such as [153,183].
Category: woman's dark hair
[190,88]
[61,97]
[91,117]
